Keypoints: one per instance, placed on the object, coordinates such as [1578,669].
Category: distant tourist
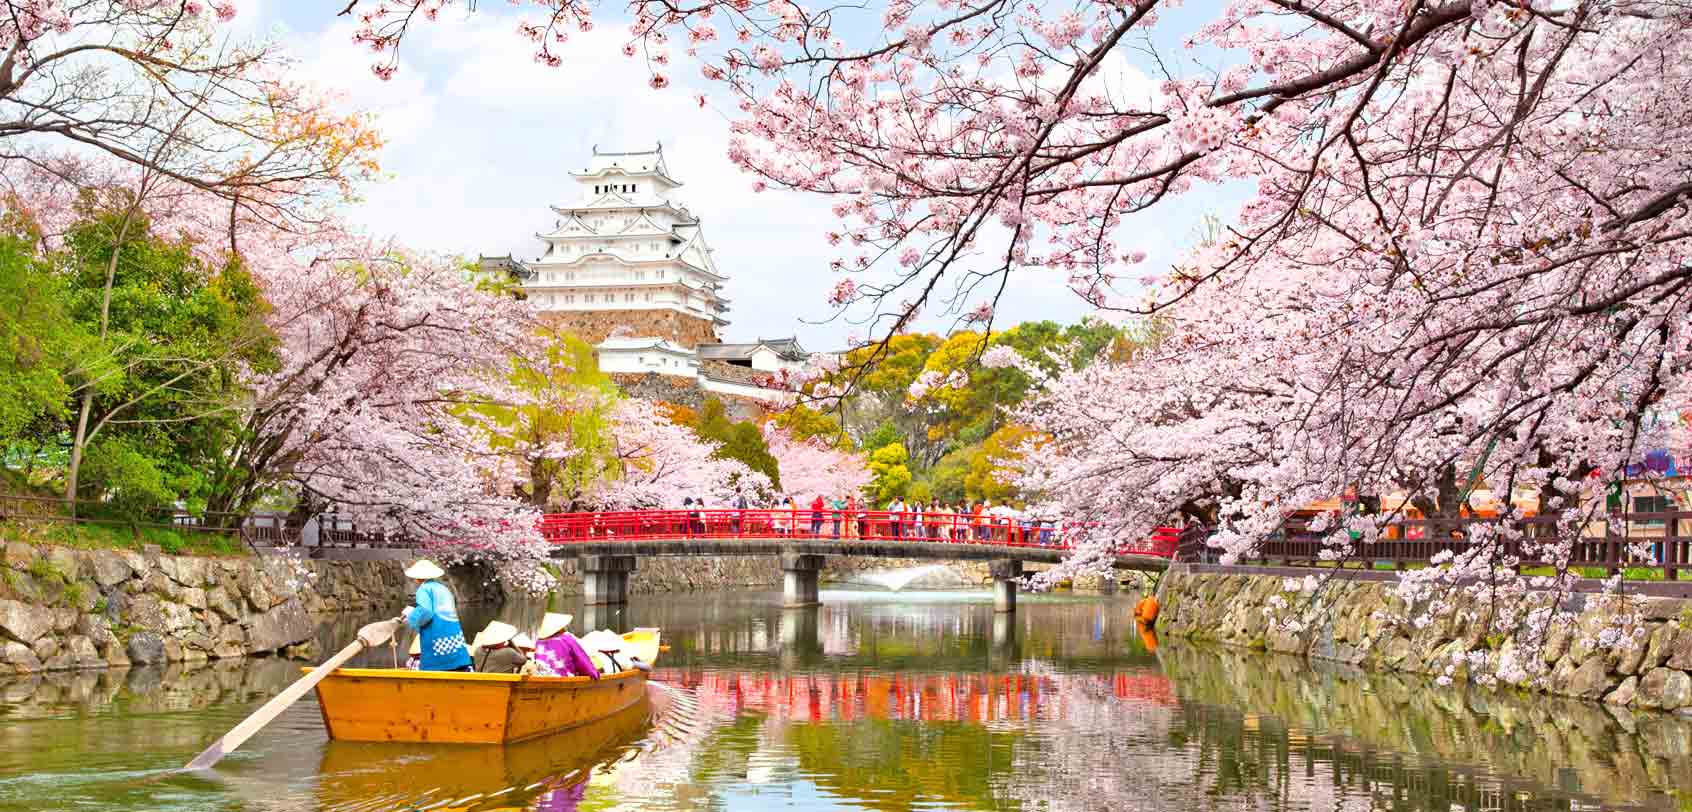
[837,505]
[897,520]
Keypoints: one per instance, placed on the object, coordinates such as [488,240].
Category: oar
[370,636]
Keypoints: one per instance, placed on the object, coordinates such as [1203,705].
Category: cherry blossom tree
[381,351]
[811,468]
[661,462]
[162,85]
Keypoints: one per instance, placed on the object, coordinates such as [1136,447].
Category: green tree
[806,423]
[742,440]
[41,349]
[158,402]
[892,475]
[879,379]
[885,434]
[947,477]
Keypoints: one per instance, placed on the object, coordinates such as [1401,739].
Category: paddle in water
[370,636]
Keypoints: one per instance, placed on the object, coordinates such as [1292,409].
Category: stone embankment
[1631,759]
[63,609]
[1627,651]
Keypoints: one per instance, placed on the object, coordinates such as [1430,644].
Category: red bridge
[610,543]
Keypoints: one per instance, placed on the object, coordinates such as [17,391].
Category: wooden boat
[400,705]
[404,776]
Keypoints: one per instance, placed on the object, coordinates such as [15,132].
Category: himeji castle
[627,268]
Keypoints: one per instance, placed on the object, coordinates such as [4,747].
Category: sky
[480,140]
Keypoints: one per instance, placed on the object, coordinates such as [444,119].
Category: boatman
[435,617]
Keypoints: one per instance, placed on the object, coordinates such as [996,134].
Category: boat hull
[400,705]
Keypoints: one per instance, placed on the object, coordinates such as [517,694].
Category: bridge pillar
[1006,572]
[1004,636]
[799,636]
[605,578]
[602,616]
[801,576]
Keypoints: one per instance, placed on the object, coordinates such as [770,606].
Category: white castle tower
[628,255]
[627,269]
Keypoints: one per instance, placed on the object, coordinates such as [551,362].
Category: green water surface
[874,701]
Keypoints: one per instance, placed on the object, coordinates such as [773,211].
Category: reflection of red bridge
[926,697]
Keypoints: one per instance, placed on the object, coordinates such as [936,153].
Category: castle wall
[594,326]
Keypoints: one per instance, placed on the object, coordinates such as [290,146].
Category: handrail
[708,524]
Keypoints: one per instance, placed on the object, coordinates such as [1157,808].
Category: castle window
[587,298]
[628,297]
[649,297]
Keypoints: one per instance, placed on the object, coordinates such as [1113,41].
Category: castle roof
[644,162]
[787,348]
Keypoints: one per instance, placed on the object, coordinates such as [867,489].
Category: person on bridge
[838,506]
[786,514]
[817,508]
[897,519]
[856,522]
[435,617]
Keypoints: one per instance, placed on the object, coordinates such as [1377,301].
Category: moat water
[874,701]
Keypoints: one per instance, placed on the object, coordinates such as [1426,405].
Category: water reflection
[872,701]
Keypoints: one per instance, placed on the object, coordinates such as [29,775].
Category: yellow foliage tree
[559,435]
[994,462]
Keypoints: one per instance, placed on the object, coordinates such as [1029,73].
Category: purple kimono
[564,656]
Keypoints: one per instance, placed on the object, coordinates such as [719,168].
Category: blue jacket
[435,617]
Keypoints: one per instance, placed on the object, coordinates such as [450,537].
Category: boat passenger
[494,645]
[605,647]
[412,661]
[561,655]
[435,617]
[552,624]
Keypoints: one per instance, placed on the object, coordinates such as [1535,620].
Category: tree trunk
[80,441]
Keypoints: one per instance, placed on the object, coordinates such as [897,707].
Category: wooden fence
[255,531]
[1606,544]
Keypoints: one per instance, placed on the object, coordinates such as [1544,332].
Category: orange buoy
[1148,638]
[1146,610]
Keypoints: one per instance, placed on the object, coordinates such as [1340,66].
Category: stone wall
[1625,650]
[74,609]
[725,371]
[594,326]
[684,392]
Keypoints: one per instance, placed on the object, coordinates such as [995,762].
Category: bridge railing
[833,525]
